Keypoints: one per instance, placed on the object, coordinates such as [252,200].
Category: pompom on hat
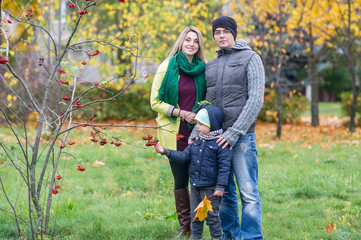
[227,23]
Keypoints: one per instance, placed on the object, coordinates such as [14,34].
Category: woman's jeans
[245,169]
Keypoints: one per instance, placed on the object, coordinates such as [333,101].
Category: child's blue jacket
[209,164]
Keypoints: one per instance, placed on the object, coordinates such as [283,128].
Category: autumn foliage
[330,228]
[202,209]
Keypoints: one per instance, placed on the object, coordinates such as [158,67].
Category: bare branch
[7,41]
[42,28]
[11,205]
[101,42]
[15,115]
[24,86]
[17,95]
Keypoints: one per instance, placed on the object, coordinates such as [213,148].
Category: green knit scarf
[168,91]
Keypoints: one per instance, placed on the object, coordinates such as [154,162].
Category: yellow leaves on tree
[202,209]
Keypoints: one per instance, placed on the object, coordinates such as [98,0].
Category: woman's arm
[155,103]
[163,107]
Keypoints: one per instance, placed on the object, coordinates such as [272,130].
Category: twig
[14,211]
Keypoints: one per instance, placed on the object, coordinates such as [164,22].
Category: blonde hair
[178,44]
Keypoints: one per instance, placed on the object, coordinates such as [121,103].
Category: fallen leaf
[324,146]
[202,209]
[267,145]
[98,163]
[330,228]
[1,161]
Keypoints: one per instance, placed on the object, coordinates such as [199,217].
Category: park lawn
[326,109]
[307,180]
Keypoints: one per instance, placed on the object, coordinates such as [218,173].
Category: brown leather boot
[183,208]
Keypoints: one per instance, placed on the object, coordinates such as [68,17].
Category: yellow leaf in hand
[202,209]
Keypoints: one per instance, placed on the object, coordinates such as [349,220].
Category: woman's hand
[188,116]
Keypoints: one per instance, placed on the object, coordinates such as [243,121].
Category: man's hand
[159,148]
[218,193]
[222,141]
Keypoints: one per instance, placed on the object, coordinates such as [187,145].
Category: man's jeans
[245,169]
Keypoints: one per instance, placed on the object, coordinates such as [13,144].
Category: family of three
[224,152]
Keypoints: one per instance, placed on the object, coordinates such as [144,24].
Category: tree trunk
[313,81]
[352,64]
[35,197]
[314,94]
[279,110]
[355,93]
[353,112]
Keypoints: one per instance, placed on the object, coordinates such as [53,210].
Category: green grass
[330,109]
[302,188]
[326,109]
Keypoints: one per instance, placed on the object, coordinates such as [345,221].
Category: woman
[179,84]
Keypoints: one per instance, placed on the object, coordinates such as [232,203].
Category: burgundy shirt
[187,93]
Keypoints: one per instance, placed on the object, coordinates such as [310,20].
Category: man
[235,82]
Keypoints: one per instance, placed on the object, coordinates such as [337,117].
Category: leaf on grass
[325,146]
[330,228]
[202,209]
[98,163]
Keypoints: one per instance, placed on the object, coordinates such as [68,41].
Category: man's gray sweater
[235,83]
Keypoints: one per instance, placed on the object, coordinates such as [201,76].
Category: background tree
[267,24]
[308,18]
[346,22]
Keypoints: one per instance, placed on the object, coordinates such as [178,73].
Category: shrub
[293,106]
[132,103]
[346,100]
[336,80]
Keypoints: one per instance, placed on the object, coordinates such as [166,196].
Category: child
[209,168]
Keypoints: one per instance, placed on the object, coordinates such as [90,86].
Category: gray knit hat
[227,23]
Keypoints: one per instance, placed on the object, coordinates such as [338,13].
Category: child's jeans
[212,219]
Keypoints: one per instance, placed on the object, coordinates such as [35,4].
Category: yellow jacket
[166,135]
